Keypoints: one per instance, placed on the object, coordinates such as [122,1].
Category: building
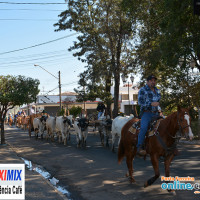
[128,98]
[50,103]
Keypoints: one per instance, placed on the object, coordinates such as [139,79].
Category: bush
[61,113]
[195,128]
[75,111]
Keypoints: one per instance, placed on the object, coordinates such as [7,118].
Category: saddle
[152,129]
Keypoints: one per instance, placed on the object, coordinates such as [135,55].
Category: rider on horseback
[100,108]
[148,99]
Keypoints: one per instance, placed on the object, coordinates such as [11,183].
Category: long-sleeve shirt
[146,96]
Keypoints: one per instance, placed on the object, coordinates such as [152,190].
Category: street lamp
[124,81]
[59,82]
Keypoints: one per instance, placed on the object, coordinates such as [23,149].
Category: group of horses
[162,142]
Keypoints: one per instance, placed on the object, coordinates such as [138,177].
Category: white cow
[117,126]
[50,126]
[81,130]
[39,126]
[62,128]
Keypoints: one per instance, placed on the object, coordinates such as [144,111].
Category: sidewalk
[36,186]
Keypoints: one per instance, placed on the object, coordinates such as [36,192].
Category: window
[124,96]
[135,97]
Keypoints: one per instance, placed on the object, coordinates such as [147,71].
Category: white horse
[117,126]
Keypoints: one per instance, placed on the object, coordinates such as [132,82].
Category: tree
[15,90]
[104,40]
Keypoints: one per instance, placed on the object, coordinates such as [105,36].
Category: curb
[47,181]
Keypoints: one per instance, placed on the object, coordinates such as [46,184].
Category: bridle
[177,137]
[180,131]
[179,124]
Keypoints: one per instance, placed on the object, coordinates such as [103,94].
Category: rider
[100,108]
[148,99]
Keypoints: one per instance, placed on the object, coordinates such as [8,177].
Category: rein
[177,137]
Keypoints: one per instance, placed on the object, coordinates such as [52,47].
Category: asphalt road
[94,174]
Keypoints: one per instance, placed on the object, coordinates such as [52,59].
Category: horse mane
[168,122]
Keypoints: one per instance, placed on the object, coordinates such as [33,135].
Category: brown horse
[161,144]
[10,121]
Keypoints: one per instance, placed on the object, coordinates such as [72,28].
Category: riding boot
[141,151]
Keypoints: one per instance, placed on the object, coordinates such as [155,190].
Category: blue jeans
[145,121]
[99,114]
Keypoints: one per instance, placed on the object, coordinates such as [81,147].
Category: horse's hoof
[146,184]
[172,191]
[132,180]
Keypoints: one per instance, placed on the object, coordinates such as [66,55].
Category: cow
[81,130]
[39,126]
[62,128]
[104,128]
[70,124]
[30,125]
[50,126]
[117,125]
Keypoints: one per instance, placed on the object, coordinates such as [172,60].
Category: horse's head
[184,122]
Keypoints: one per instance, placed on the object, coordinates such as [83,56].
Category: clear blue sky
[25,25]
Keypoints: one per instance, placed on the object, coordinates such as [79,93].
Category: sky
[26,25]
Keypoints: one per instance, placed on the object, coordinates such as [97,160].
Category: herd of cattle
[50,127]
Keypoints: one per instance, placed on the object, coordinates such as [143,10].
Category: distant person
[32,110]
[100,108]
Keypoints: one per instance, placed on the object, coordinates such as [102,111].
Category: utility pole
[59,83]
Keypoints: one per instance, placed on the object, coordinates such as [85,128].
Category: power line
[19,3]
[28,19]
[34,55]
[38,44]
[35,59]
[10,9]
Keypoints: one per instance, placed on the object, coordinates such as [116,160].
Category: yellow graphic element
[177,178]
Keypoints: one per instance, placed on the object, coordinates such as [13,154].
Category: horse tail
[121,152]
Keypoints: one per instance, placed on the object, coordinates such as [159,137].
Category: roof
[69,94]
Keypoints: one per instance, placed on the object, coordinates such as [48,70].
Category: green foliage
[75,111]
[61,112]
[103,43]
[15,90]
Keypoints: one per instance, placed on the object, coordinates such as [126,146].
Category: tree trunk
[108,87]
[198,130]
[2,132]
[116,94]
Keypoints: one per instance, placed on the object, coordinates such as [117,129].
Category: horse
[10,121]
[161,144]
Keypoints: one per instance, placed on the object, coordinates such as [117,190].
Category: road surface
[94,174]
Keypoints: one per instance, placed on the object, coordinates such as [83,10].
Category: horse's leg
[155,163]
[129,163]
[168,161]
[113,142]
[107,138]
